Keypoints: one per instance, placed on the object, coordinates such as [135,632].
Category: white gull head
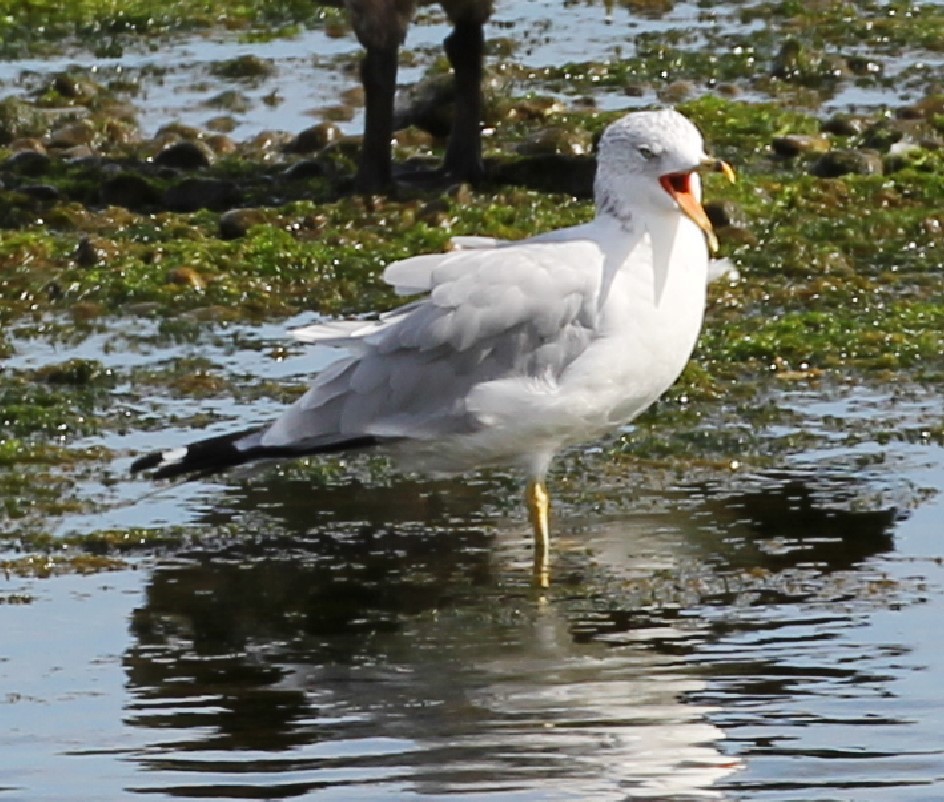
[636,156]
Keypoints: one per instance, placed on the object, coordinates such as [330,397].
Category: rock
[29,162]
[534,108]
[27,143]
[236,222]
[247,67]
[882,134]
[19,119]
[837,163]
[45,193]
[314,138]
[186,277]
[304,169]
[68,136]
[172,132]
[85,254]
[413,138]
[340,112]
[676,92]
[84,311]
[192,194]
[929,107]
[220,144]
[333,162]
[130,190]
[865,66]
[789,60]
[224,124]
[186,155]
[77,153]
[570,175]
[428,104]
[797,144]
[230,100]
[904,131]
[353,96]
[75,372]
[120,128]
[74,88]
[91,251]
[501,46]
[844,125]
[557,141]
[726,214]
[269,142]
[806,67]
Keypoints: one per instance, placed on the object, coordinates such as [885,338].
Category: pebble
[186,276]
[305,169]
[193,194]
[45,193]
[314,138]
[797,144]
[837,163]
[558,141]
[187,154]
[236,222]
[534,108]
[130,190]
[80,133]
[29,163]
[247,67]
[844,125]
[570,175]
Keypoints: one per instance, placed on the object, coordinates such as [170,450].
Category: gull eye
[647,152]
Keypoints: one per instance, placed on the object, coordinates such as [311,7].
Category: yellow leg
[537,500]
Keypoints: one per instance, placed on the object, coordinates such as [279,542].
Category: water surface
[383,641]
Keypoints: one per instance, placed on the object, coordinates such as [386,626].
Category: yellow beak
[679,186]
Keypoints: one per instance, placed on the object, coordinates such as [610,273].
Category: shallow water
[767,638]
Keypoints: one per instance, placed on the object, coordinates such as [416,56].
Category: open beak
[679,186]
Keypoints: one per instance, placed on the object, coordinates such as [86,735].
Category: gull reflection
[410,659]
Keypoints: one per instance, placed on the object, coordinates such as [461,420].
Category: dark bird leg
[465,48]
[379,77]
[380,26]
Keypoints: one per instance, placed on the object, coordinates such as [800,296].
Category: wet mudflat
[747,581]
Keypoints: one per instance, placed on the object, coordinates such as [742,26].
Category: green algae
[860,252]
[43,566]
[42,26]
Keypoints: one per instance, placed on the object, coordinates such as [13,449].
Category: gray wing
[524,311]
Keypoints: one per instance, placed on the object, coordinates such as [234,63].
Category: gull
[515,350]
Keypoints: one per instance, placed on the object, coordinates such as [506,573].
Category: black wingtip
[147,462]
[203,457]
[218,453]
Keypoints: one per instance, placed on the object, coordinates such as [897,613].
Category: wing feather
[492,314]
